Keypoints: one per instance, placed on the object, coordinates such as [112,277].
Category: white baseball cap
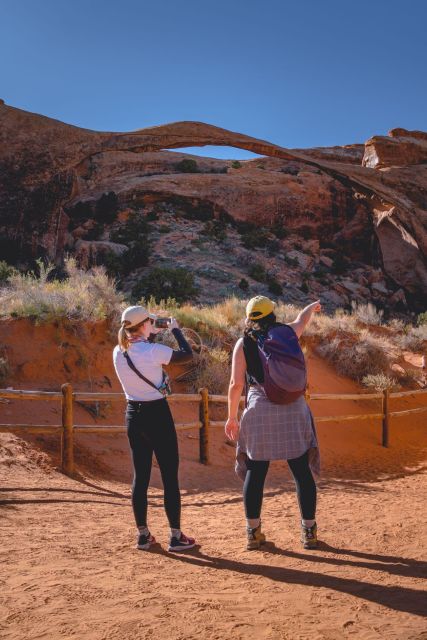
[135,315]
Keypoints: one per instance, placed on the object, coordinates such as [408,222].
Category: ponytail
[123,339]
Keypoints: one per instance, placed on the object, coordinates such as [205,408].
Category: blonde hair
[123,339]
[123,335]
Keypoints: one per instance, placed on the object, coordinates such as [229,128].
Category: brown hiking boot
[309,536]
[255,538]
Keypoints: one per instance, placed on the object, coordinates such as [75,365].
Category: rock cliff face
[365,202]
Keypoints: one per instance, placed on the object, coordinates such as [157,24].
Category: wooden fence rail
[68,429]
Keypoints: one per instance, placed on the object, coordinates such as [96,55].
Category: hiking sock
[176,533]
[253,523]
[144,530]
[308,523]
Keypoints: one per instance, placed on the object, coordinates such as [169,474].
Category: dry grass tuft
[357,356]
[84,295]
[379,381]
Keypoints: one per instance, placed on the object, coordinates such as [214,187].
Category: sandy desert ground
[70,568]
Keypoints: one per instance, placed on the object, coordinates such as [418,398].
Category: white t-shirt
[148,358]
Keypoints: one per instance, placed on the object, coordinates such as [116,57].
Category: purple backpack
[283,363]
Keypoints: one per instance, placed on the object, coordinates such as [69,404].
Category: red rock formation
[46,165]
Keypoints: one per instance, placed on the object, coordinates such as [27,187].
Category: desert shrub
[292,262]
[236,164]
[212,370]
[255,238]
[414,340]
[367,313]
[215,229]
[279,230]
[6,270]
[135,226]
[305,232]
[409,376]
[274,286]
[323,327]
[107,207]
[243,284]
[395,324]
[161,283]
[187,165]
[84,295]
[379,381]
[357,355]
[164,228]
[218,324]
[135,234]
[422,319]
[273,247]
[304,286]
[257,272]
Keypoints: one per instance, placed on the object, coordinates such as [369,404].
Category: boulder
[327,262]
[305,261]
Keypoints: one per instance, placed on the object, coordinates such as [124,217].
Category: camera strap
[139,374]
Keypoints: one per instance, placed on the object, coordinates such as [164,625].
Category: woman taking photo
[270,430]
[150,427]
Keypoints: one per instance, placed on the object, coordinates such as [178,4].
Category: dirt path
[70,569]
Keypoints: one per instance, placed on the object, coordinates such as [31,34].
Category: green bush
[292,262]
[187,165]
[236,164]
[305,232]
[243,284]
[6,270]
[422,318]
[83,295]
[215,229]
[161,283]
[257,272]
[255,238]
[134,233]
[273,247]
[274,286]
[279,230]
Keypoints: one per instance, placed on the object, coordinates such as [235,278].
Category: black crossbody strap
[138,373]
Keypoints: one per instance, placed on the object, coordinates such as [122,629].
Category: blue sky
[299,73]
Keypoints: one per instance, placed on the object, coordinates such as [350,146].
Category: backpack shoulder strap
[138,373]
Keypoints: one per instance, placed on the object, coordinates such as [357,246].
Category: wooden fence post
[204,430]
[67,450]
[386,417]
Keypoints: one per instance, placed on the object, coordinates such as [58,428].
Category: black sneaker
[181,544]
[145,541]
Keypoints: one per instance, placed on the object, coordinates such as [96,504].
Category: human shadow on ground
[406,567]
[398,598]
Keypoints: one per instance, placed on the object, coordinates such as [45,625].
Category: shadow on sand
[398,598]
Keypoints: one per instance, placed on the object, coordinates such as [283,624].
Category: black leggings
[150,428]
[304,483]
